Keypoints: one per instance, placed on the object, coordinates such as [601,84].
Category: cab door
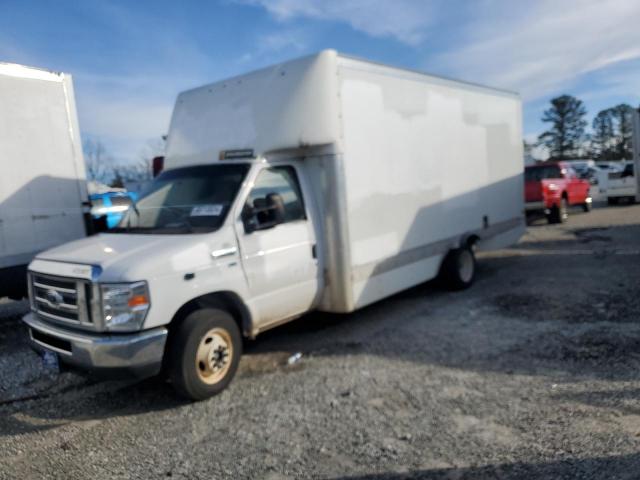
[278,246]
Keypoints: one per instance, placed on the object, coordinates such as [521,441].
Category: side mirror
[249,219]
[276,204]
[266,212]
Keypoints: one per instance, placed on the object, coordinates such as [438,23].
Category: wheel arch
[227,300]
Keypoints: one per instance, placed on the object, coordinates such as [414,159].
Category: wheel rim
[214,356]
[465,265]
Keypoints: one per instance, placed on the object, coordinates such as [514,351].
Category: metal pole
[636,150]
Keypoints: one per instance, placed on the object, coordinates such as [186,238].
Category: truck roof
[298,104]
[432,76]
[23,71]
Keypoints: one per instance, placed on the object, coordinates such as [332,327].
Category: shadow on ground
[619,467]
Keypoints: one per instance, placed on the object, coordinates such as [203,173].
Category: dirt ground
[532,373]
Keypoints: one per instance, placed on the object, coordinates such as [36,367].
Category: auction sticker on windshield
[211,210]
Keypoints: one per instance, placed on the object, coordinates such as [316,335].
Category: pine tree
[623,117]
[603,137]
[564,139]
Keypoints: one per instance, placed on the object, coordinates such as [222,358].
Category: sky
[130,59]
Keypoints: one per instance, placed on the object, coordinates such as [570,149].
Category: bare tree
[98,163]
[137,174]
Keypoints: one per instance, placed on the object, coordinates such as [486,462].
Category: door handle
[224,252]
[314,251]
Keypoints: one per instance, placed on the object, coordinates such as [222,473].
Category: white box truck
[43,184]
[323,183]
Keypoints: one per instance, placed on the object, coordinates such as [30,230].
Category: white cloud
[543,47]
[290,41]
[404,20]
[536,48]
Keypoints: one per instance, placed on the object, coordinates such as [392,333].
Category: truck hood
[132,257]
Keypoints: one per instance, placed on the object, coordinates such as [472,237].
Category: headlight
[124,305]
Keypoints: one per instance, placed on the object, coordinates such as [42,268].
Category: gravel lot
[532,373]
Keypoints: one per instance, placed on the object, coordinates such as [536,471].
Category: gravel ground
[532,373]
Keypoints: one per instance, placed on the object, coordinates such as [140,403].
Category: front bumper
[535,207]
[139,354]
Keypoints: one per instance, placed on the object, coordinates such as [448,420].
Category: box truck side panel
[427,161]
[42,185]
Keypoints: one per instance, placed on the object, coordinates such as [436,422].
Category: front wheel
[204,353]
[559,213]
[458,269]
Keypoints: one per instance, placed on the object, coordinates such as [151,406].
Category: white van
[323,183]
[42,180]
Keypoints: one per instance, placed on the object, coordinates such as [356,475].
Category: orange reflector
[138,300]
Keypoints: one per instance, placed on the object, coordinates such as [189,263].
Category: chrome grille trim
[62,300]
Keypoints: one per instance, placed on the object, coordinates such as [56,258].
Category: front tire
[559,213]
[204,353]
[458,269]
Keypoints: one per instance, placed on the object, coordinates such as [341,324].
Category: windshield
[535,174]
[186,200]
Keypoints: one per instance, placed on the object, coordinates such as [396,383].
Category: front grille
[59,299]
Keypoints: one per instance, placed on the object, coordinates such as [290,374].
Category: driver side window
[275,198]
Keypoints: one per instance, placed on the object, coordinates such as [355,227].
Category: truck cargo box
[43,184]
[406,165]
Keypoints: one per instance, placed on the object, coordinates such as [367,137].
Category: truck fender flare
[225,300]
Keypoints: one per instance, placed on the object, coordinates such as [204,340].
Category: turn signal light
[138,301]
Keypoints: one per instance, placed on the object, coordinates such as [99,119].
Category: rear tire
[458,269]
[612,200]
[204,352]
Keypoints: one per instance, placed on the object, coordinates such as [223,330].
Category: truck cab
[243,229]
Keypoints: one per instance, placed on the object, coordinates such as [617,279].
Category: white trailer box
[322,183]
[43,184]
[409,163]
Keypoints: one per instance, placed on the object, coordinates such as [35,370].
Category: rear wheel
[204,353]
[458,269]
[612,200]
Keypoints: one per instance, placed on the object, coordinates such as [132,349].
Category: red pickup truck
[552,187]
